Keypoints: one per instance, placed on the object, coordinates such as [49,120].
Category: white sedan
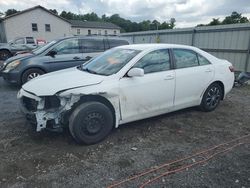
[125,84]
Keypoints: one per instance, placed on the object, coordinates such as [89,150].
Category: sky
[188,13]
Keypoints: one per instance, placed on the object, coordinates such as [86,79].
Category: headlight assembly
[12,65]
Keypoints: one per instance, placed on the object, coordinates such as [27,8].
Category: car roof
[92,37]
[152,46]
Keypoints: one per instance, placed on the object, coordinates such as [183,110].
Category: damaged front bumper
[46,111]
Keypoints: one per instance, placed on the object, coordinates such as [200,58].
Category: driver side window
[155,61]
[19,41]
[70,46]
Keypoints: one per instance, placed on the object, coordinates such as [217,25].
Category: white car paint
[133,98]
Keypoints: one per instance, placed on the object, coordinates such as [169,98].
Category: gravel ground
[29,159]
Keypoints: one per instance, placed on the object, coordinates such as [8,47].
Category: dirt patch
[29,159]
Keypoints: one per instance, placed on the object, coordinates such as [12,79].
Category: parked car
[58,54]
[125,84]
[19,44]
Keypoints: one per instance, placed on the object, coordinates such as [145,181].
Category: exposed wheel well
[97,98]
[222,87]
[5,49]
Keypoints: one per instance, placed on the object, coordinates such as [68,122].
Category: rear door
[68,54]
[193,74]
[91,48]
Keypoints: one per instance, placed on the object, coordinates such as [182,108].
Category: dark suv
[56,55]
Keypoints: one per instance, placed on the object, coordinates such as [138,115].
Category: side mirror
[52,53]
[135,72]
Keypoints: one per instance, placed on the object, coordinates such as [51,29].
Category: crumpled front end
[46,111]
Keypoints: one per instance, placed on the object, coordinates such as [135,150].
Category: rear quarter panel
[223,74]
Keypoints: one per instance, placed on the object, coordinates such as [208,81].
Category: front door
[151,94]
[193,74]
[68,54]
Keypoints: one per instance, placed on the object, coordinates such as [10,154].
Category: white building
[94,28]
[40,23]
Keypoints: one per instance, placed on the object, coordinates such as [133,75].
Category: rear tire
[90,122]
[30,74]
[5,54]
[211,98]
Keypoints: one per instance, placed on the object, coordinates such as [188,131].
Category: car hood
[19,57]
[52,83]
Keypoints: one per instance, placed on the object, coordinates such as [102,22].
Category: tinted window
[19,41]
[30,40]
[203,60]
[114,43]
[155,61]
[93,45]
[185,58]
[69,46]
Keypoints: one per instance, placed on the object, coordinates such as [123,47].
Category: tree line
[130,26]
[234,18]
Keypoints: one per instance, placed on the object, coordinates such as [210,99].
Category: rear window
[30,40]
[92,45]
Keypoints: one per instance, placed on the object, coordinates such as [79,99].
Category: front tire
[30,74]
[211,98]
[90,122]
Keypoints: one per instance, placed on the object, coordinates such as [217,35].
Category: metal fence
[231,42]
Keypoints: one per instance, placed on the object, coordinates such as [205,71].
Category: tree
[54,11]
[104,18]
[1,14]
[155,25]
[234,18]
[126,25]
[172,23]
[91,17]
[165,25]
[144,25]
[67,15]
[10,12]
[215,21]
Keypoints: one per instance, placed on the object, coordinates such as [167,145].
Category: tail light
[231,68]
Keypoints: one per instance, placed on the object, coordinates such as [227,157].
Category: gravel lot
[29,159]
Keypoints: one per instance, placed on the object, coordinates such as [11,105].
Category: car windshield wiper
[80,67]
[88,70]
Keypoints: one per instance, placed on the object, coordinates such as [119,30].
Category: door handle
[169,77]
[76,57]
[87,58]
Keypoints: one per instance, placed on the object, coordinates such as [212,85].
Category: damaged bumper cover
[46,108]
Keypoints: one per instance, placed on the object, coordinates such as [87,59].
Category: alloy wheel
[213,97]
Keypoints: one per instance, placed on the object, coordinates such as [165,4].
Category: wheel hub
[93,123]
[213,97]
[32,75]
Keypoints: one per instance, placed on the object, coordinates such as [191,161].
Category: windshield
[110,62]
[43,48]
